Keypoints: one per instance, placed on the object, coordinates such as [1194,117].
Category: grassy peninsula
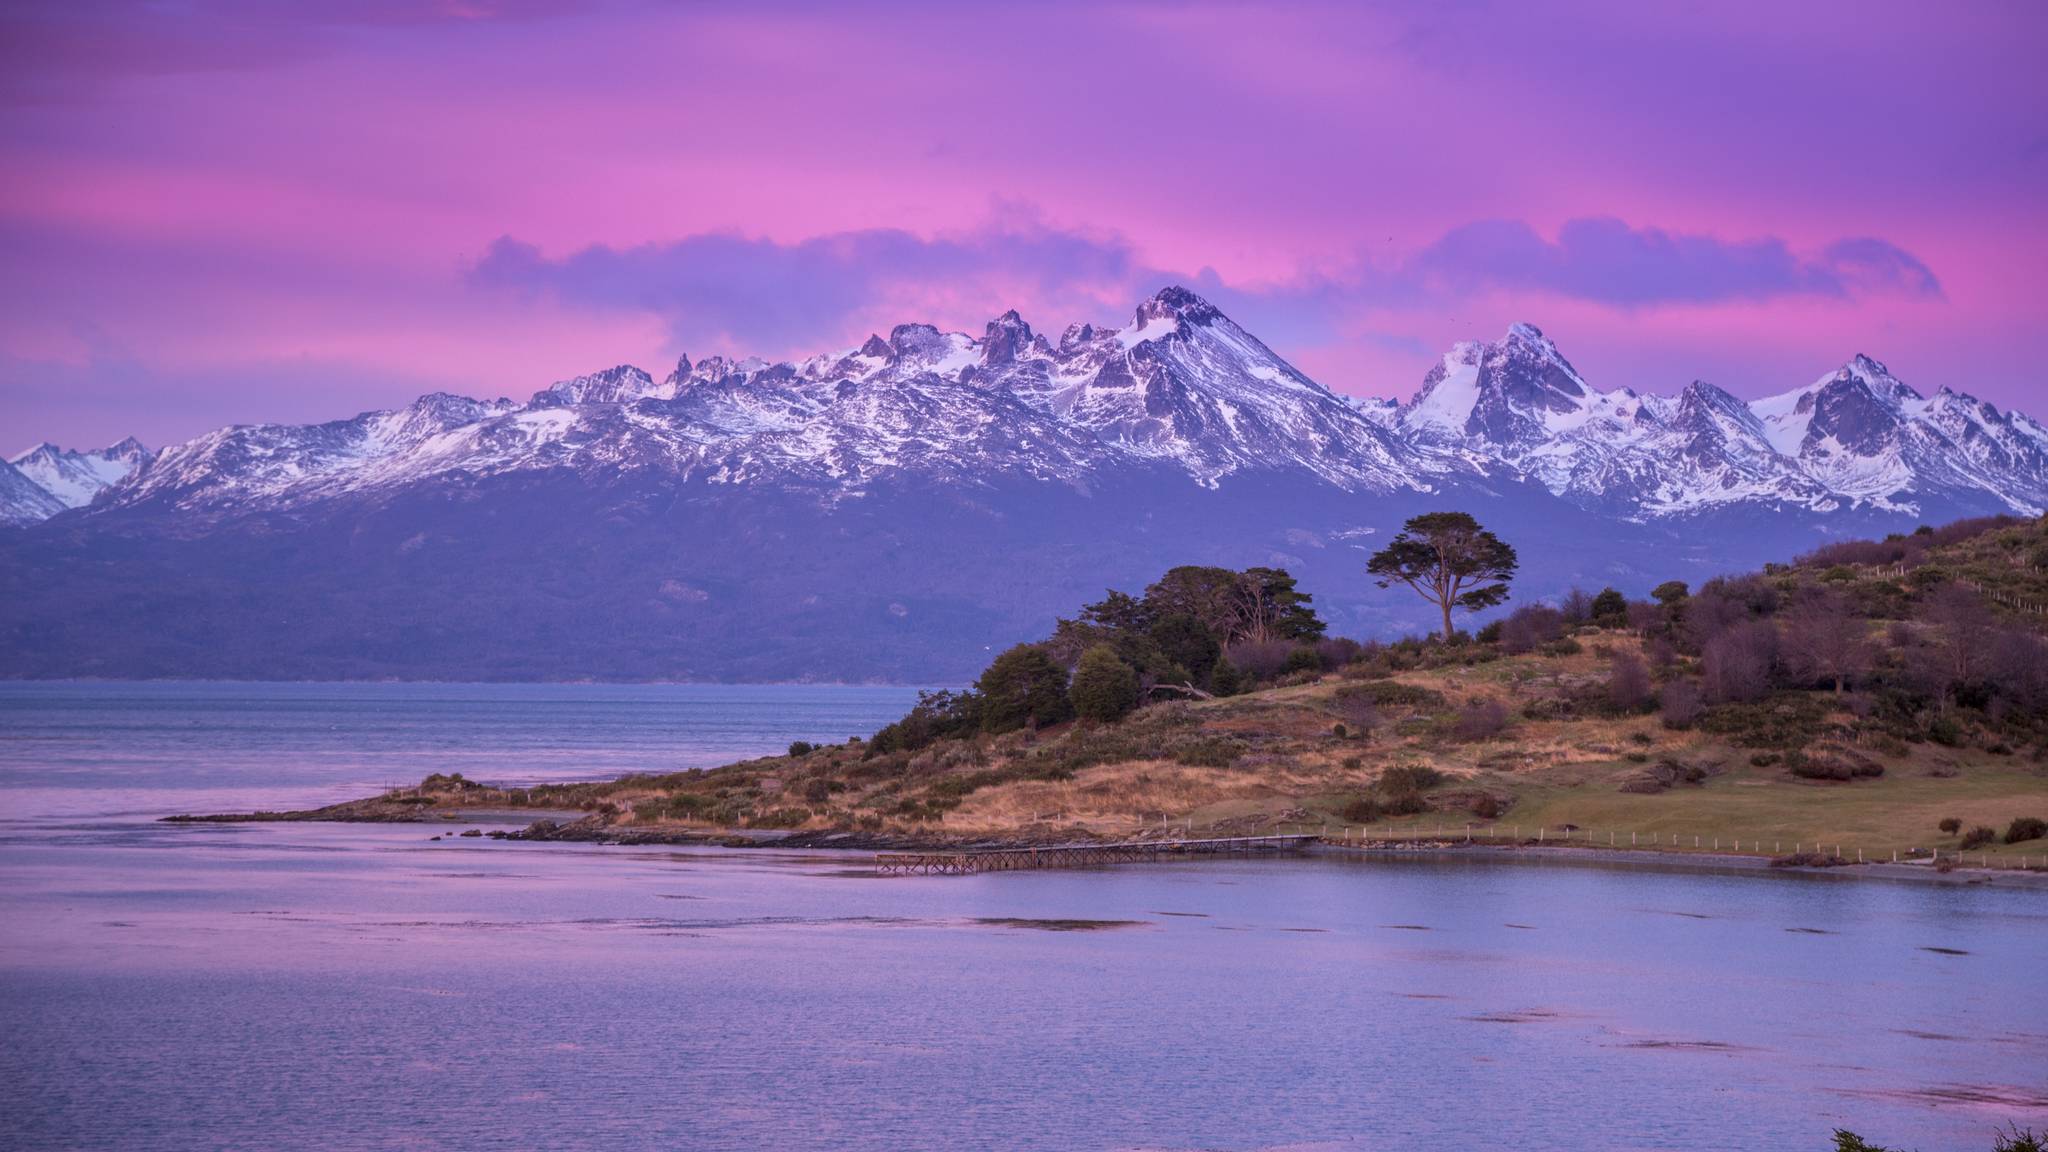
[1883,696]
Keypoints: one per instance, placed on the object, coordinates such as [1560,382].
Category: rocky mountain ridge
[1180,386]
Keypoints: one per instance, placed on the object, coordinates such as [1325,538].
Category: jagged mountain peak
[618,385]
[72,478]
[1007,337]
[1517,389]
[1178,303]
[1182,387]
[1856,437]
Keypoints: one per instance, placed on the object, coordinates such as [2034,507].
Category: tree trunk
[1447,621]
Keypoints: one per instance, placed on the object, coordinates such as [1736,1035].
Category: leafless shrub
[1725,602]
[1825,641]
[1479,720]
[1577,606]
[1681,703]
[1962,630]
[1530,627]
[1736,664]
[2019,670]
[1628,683]
[1661,653]
[1644,616]
[1338,651]
[1261,660]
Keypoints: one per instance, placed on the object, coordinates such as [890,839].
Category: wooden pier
[963,862]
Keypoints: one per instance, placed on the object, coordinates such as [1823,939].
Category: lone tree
[1450,561]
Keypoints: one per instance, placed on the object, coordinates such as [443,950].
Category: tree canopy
[1255,605]
[1023,686]
[1448,560]
[1105,688]
[1175,633]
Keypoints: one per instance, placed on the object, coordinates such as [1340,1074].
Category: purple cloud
[1605,261]
[774,295]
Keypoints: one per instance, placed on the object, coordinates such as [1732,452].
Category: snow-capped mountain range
[1179,386]
[46,479]
[1855,438]
[899,509]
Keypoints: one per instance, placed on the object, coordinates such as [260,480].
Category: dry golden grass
[1111,799]
[1295,770]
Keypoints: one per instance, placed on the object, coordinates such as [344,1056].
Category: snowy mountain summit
[1858,437]
[1180,387]
[46,479]
[1180,390]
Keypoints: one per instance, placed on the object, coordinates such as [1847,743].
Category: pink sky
[224,213]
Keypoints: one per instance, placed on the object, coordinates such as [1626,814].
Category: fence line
[1702,843]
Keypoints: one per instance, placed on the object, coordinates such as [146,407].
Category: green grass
[1897,812]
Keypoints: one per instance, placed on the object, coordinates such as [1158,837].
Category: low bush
[1549,708]
[2025,828]
[1784,722]
[1357,711]
[1403,804]
[1840,765]
[1945,730]
[1950,825]
[1361,810]
[1678,772]
[1409,778]
[1391,694]
[1303,659]
[1979,836]
[1479,720]
[1208,752]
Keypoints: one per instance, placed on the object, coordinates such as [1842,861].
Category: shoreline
[581,828]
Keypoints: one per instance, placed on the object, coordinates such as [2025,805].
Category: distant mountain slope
[22,500]
[887,511]
[1856,438]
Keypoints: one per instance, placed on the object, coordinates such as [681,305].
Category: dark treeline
[1195,632]
[1898,632]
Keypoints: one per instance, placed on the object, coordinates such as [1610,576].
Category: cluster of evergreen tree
[1125,650]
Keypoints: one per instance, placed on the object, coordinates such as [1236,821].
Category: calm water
[298,986]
